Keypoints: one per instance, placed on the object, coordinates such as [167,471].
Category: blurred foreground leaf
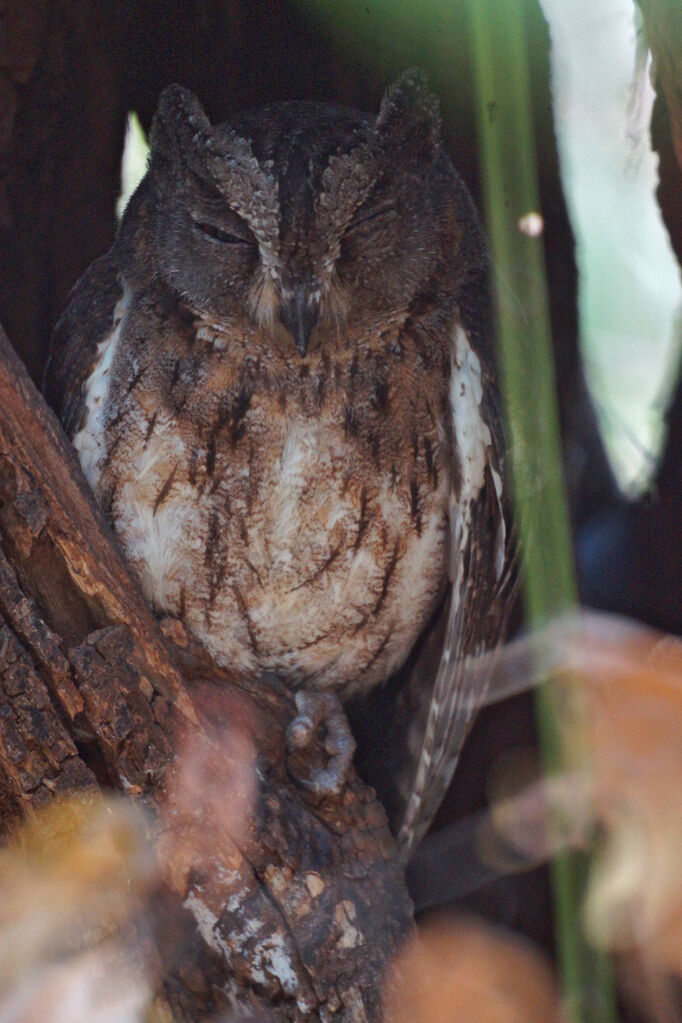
[469,970]
[74,885]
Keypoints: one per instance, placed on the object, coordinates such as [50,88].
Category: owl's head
[302,219]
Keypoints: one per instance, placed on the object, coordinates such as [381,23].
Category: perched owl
[280,386]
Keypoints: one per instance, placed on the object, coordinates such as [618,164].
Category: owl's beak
[299,316]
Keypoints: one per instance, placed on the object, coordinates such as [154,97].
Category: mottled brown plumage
[280,387]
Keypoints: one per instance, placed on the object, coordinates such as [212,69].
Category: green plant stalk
[524,336]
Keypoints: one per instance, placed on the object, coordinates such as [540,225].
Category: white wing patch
[471,441]
[472,433]
[89,442]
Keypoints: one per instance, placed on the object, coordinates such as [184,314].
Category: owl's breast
[284,540]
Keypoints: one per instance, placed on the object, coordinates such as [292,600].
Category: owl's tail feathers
[579,644]
[462,686]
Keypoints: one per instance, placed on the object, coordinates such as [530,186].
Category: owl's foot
[316,710]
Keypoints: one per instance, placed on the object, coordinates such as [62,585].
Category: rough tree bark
[302,908]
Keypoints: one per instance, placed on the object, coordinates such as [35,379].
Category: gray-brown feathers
[280,387]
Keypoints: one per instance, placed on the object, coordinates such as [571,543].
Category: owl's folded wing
[86,322]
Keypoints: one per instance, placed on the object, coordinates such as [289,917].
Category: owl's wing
[483,579]
[86,322]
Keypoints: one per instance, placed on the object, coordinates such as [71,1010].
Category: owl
[280,385]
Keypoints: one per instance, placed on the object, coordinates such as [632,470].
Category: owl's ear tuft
[409,114]
[180,124]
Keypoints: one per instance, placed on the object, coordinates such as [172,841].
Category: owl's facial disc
[304,222]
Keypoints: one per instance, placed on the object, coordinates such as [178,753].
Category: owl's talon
[316,709]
